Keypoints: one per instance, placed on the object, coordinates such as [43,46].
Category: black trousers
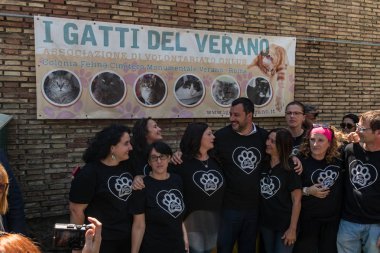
[317,236]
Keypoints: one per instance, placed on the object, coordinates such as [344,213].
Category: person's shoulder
[261,130]
[224,130]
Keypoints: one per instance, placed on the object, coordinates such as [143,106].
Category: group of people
[304,188]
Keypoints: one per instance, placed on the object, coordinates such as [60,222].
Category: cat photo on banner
[225,89]
[259,91]
[150,90]
[108,89]
[189,90]
[61,88]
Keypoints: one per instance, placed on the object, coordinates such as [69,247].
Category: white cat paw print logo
[269,186]
[362,175]
[246,159]
[208,181]
[121,186]
[171,201]
[326,177]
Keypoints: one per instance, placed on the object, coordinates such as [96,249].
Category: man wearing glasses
[359,228]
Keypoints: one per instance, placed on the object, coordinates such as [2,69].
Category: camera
[69,236]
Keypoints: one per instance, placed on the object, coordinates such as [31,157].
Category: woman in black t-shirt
[203,187]
[322,190]
[159,208]
[101,188]
[280,189]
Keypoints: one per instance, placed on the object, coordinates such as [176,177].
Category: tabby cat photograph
[225,90]
[150,90]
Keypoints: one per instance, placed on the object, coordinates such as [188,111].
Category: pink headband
[325,131]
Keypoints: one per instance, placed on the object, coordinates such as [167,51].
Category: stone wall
[338,72]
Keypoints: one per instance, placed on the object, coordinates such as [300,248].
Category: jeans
[240,226]
[355,237]
[273,242]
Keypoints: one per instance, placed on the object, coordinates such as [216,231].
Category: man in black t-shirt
[359,228]
[240,147]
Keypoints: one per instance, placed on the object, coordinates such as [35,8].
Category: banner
[89,69]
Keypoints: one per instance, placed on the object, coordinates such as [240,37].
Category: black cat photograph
[108,89]
[225,89]
[150,90]
[61,88]
[259,91]
[189,90]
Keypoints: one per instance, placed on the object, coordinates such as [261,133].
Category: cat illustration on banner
[108,89]
[189,90]
[272,64]
[225,89]
[150,89]
[259,91]
[61,88]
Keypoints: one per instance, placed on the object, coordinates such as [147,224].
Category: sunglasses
[322,125]
[4,187]
[346,125]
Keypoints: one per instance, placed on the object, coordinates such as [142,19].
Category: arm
[93,237]
[298,165]
[138,182]
[77,212]
[176,158]
[291,233]
[185,237]
[317,191]
[138,230]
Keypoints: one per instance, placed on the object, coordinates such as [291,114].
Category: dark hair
[373,118]
[139,132]
[191,139]
[284,145]
[247,104]
[296,103]
[352,116]
[99,147]
[161,147]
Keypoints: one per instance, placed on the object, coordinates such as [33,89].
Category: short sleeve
[83,186]
[137,205]
[295,181]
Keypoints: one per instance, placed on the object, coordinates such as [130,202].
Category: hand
[176,158]
[298,165]
[138,183]
[318,191]
[353,137]
[289,237]
[93,237]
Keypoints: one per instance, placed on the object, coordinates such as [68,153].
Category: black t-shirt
[297,142]
[330,176]
[162,203]
[140,163]
[241,156]
[203,186]
[362,185]
[106,190]
[276,186]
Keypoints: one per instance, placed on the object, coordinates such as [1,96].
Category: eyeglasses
[346,125]
[361,129]
[155,158]
[293,113]
[4,187]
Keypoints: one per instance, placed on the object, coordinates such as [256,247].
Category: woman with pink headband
[322,191]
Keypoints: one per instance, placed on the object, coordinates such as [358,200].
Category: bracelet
[305,191]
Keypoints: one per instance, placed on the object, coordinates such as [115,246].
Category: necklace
[204,163]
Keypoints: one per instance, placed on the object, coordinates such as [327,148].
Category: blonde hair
[17,243]
[3,196]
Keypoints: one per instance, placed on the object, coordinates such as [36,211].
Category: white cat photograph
[225,89]
[61,88]
[189,90]
[150,90]
[108,89]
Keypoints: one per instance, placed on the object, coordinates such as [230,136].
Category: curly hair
[99,147]
[4,195]
[139,132]
[332,151]
[17,243]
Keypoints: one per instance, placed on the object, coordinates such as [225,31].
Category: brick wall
[338,77]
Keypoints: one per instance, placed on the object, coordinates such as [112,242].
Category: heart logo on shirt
[171,201]
[362,175]
[208,181]
[269,186]
[246,159]
[326,177]
[121,186]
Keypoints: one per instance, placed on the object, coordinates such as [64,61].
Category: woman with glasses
[349,122]
[4,183]
[159,207]
[102,188]
[322,191]
[203,187]
[280,189]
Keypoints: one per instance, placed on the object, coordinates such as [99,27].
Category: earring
[113,156]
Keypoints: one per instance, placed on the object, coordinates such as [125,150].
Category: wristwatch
[305,192]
